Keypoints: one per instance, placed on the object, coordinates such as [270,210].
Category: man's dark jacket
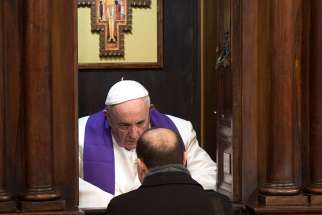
[166,193]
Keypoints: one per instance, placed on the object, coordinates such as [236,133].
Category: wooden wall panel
[315,99]
[223,90]
[236,70]
[4,195]
[264,88]
[65,99]
[209,106]
[249,109]
[63,83]
[10,66]
[13,38]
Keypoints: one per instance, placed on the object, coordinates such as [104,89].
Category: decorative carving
[111,19]
[223,59]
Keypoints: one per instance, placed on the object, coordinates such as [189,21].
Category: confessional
[263,63]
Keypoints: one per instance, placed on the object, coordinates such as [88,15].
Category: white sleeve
[201,167]
[92,197]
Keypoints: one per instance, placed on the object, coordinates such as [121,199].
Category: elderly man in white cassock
[107,142]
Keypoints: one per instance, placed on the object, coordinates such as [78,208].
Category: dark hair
[154,155]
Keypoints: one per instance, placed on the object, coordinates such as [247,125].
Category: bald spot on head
[159,146]
[162,138]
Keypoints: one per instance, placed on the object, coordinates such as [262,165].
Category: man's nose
[134,132]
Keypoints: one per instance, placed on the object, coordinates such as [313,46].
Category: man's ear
[107,114]
[142,169]
[185,158]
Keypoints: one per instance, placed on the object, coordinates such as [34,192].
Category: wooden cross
[112,18]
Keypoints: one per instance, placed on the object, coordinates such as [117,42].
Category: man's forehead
[132,120]
[135,106]
[130,115]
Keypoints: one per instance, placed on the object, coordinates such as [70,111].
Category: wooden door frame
[236,68]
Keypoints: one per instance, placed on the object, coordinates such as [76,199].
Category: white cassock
[201,167]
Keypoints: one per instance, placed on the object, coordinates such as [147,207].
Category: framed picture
[116,34]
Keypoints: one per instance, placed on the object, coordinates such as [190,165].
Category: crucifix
[111,19]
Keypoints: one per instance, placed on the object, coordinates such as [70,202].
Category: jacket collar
[168,168]
[166,175]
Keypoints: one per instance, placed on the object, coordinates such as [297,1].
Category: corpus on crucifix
[110,12]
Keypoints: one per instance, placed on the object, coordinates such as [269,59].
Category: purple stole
[98,154]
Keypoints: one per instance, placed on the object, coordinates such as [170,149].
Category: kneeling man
[167,187]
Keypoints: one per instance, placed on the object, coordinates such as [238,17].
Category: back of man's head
[160,146]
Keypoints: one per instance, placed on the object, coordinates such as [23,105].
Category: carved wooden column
[38,109]
[315,100]
[286,30]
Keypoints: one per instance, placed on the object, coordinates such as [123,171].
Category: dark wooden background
[174,89]
[274,166]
